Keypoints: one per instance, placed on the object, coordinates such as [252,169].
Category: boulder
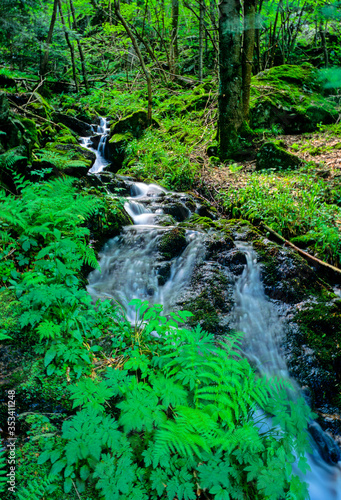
[271,156]
[172,243]
[291,98]
[80,127]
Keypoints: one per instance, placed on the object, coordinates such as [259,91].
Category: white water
[100,161]
[129,269]
[258,319]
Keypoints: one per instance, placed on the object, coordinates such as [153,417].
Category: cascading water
[128,262]
[256,316]
[130,269]
[102,133]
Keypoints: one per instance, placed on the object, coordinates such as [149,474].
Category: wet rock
[209,298]
[163,273]
[271,156]
[286,275]
[207,211]
[327,447]
[172,243]
[234,259]
[218,243]
[164,220]
[116,149]
[176,209]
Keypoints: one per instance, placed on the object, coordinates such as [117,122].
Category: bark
[69,43]
[230,105]
[174,35]
[248,49]
[45,60]
[139,55]
[322,31]
[80,50]
[201,38]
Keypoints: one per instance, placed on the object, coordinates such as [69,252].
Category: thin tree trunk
[174,35]
[69,43]
[230,105]
[45,60]
[201,38]
[248,49]
[81,54]
[322,31]
[139,55]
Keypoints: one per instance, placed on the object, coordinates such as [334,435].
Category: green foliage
[3,469]
[178,416]
[293,205]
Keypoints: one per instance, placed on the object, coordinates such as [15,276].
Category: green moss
[271,156]
[291,97]
[320,324]
[135,123]
[9,313]
[197,222]
[172,243]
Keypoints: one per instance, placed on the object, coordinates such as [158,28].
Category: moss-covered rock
[172,243]
[116,148]
[136,124]
[80,127]
[123,131]
[290,97]
[272,156]
[108,221]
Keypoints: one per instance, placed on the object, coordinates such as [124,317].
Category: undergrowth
[173,414]
[296,205]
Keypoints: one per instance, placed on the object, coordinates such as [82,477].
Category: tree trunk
[174,35]
[139,55]
[230,104]
[45,60]
[69,43]
[80,50]
[201,38]
[248,49]
[322,31]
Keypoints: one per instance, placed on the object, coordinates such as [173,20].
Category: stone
[176,209]
[172,243]
[80,127]
[271,156]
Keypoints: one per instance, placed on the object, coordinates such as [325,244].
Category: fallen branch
[300,251]
[33,114]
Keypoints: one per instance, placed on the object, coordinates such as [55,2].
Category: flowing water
[102,131]
[130,269]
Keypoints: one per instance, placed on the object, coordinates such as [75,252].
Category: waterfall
[100,161]
[130,269]
[257,318]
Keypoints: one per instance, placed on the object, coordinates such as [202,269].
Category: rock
[328,449]
[116,149]
[234,259]
[81,128]
[135,124]
[270,156]
[290,97]
[122,132]
[176,209]
[4,109]
[163,273]
[172,243]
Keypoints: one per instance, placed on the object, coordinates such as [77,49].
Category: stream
[131,268]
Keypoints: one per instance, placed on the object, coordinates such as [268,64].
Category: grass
[295,204]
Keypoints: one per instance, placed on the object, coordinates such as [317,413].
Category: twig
[76,489]
[33,114]
[301,252]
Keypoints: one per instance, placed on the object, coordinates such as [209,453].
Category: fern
[3,469]
[59,160]
[35,490]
